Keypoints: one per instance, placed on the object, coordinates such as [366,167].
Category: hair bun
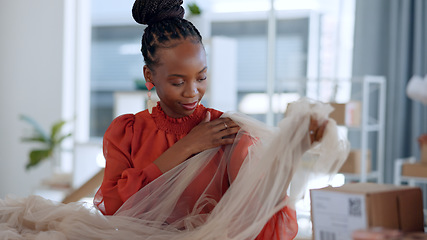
[151,11]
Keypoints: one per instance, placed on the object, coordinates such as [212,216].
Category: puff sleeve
[121,178]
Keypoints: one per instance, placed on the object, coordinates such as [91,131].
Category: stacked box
[424,153]
[418,169]
[337,212]
[346,113]
[353,164]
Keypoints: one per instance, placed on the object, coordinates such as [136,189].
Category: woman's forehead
[185,53]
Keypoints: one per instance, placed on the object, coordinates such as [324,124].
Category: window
[116,65]
[291,61]
[313,41]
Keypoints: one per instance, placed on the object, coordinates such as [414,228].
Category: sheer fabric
[272,176]
[132,143]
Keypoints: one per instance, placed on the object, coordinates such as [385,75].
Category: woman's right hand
[210,134]
[206,135]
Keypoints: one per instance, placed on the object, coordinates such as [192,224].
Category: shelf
[416,179]
[355,177]
[369,128]
[372,120]
[399,178]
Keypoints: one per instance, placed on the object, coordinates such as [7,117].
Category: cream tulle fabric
[274,174]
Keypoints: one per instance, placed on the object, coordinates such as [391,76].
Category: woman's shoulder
[126,122]
[130,118]
[122,120]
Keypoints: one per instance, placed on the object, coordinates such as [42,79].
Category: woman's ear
[148,74]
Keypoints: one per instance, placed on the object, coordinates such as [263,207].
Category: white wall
[30,83]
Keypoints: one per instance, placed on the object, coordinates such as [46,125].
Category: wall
[31,47]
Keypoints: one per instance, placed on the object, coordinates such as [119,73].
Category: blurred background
[80,61]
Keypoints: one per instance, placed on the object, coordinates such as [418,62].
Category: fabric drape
[273,175]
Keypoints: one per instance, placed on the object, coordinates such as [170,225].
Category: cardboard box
[415,236]
[353,164]
[424,153]
[422,140]
[387,234]
[377,233]
[346,113]
[418,169]
[337,212]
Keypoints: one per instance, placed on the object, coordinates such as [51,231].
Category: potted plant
[196,16]
[49,143]
[194,9]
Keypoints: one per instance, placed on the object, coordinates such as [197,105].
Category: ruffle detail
[178,126]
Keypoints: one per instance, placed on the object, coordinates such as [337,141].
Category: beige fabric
[277,165]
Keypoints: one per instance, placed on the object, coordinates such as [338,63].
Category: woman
[180,171]
[139,148]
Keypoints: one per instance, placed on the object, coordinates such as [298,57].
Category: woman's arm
[121,179]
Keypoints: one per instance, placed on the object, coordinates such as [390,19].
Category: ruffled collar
[178,126]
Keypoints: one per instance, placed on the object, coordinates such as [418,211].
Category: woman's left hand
[315,131]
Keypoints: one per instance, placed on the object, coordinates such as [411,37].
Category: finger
[231,123]
[232,127]
[313,124]
[320,131]
[231,136]
[229,139]
[223,123]
[230,132]
[220,139]
[207,117]
[312,128]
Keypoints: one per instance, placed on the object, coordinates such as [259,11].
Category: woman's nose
[190,90]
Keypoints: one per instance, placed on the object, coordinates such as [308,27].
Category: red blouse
[133,142]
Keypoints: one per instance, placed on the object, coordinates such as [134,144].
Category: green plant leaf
[39,131]
[51,141]
[38,155]
[59,140]
[34,139]
[194,9]
[56,128]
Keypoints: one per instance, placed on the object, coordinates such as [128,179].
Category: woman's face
[180,77]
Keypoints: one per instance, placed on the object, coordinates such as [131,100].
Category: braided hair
[165,24]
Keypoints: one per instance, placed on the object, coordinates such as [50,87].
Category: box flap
[365,188]
[411,211]
[384,209]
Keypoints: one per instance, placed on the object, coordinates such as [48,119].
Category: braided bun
[151,11]
[166,26]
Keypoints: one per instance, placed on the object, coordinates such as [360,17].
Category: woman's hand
[207,134]
[315,131]
[210,134]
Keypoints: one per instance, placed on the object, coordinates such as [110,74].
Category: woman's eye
[177,84]
[202,79]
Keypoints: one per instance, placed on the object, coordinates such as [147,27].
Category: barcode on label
[355,207]
[324,235]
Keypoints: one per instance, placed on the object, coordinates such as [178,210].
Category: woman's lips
[189,106]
